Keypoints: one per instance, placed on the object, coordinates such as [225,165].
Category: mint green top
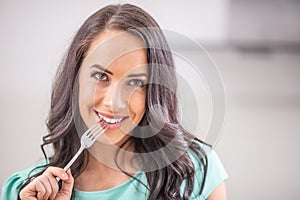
[130,189]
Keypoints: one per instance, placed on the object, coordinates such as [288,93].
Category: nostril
[113,98]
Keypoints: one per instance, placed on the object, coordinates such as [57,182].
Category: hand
[45,186]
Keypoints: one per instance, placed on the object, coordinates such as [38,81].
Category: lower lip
[109,125]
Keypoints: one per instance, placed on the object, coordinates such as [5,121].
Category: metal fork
[86,141]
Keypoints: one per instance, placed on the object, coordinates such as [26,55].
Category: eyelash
[142,83]
[133,82]
[98,76]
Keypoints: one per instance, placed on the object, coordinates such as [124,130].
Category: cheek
[98,94]
[137,105]
[87,92]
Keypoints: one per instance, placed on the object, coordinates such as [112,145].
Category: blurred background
[254,44]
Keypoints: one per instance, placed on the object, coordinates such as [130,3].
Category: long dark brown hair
[164,182]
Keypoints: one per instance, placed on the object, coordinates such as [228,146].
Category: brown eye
[100,76]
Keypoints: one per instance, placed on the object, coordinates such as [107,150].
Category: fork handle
[74,158]
[71,161]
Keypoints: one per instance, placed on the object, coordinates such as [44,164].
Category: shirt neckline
[110,190]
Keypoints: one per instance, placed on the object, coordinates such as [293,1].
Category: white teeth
[109,120]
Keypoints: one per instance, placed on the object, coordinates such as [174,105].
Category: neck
[102,173]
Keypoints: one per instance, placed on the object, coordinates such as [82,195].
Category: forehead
[118,47]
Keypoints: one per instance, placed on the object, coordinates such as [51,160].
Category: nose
[113,99]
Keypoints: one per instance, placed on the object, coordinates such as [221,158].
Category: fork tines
[95,130]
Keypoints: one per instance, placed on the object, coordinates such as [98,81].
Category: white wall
[260,144]
[260,141]
[264,21]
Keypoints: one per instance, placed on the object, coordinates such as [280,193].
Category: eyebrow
[109,72]
[101,68]
[137,75]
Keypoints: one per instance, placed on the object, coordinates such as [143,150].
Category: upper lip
[111,116]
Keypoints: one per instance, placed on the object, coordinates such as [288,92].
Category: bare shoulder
[219,193]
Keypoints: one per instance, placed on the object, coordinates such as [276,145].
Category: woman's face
[112,83]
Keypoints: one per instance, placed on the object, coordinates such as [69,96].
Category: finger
[54,186]
[29,192]
[52,173]
[47,191]
[67,185]
[56,171]
[36,189]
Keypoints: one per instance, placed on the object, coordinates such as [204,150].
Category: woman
[119,70]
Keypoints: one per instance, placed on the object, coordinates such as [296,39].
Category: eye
[136,83]
[100,76]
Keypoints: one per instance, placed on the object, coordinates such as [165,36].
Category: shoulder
[13,184]
[210,171]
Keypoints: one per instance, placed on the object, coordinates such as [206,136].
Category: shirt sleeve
[12,185]
[215,173]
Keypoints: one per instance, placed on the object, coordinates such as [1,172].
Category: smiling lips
[110,120]
[112,123]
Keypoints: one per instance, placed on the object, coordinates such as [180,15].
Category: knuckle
[50,168]
[55,188]
[42,189]
[46,173]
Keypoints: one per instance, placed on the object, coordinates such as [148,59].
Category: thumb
[67,184]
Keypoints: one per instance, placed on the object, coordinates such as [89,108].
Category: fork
[86,141]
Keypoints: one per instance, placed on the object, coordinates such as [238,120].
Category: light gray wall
[260,144]
[260,139]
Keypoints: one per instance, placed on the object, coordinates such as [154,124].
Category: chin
[116,140]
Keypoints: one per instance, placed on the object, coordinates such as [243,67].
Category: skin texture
[46,187]
[219,193]
[119,92]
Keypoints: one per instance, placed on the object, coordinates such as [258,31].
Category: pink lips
[111,126]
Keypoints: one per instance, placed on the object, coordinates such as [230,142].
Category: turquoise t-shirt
[131,189]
